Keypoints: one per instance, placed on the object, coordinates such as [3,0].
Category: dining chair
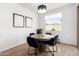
[35,44]
[32,43]
[52,42]
[49,33]
[31,34]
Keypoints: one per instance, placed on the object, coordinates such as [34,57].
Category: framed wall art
[18,20]
[28,22]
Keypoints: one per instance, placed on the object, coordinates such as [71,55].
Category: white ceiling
[50,6]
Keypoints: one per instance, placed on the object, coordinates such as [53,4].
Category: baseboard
[12,47]
[68,44]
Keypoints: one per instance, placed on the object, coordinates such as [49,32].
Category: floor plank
[63,50]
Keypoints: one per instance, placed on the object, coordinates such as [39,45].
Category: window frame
[53,23]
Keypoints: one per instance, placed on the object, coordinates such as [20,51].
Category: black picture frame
[28,22]
[17,18]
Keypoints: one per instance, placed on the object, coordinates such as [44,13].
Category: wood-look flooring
[22,50]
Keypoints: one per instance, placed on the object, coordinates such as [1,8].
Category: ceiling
[50,6]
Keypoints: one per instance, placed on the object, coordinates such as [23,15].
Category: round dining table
[42,37]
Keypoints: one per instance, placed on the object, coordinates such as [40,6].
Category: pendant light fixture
[42,9]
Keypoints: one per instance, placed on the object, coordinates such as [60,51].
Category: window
[54,22]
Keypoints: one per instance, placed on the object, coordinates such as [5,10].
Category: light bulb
[42,10]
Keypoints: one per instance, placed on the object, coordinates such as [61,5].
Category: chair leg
[55,48]
[35,52]
[51,52]
[28,50]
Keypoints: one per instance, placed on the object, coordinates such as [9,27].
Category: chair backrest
[32,42]
[39,31]
[49,33]
[31,34]
[53,41]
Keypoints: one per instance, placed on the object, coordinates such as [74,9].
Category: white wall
[9,36]
[68,33]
